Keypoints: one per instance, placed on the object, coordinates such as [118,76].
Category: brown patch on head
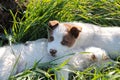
[69,26]
[68,40]
[72,34]
[53,24]
[73,29]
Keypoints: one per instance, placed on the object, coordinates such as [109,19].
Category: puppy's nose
[53,52]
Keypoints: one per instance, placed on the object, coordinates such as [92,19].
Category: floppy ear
[75,31]
[53,24]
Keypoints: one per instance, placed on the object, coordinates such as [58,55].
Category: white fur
[107,38]
[56,44]
[82,61]
[26,55]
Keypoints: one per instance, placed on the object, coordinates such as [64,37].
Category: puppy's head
[62,37]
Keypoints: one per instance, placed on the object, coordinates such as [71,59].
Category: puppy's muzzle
[53,52]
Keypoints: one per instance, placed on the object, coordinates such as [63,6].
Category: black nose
[53,52]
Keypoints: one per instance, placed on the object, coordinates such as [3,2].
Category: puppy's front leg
[63,74]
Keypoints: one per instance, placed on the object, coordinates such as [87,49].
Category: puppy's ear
[53,24]
[74,31]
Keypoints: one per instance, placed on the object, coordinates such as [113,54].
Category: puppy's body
[22,56]
[84,60]
[107,38]
[92,56]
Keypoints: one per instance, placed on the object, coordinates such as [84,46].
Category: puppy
[16,58]
[92,56]
[69,36]
[77,36]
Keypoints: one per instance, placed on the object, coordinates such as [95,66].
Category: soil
[5,16]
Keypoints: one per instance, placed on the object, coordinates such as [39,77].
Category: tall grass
[33,25]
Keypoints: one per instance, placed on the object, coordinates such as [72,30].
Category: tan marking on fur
[68,40]
[93,57]
[69,26]
[53,23]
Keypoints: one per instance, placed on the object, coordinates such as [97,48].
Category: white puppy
[16,58]
[76,35]
[80,61]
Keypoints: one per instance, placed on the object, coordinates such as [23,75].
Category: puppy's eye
[64,42]
[51,38]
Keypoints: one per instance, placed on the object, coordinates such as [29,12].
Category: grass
[33,25]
